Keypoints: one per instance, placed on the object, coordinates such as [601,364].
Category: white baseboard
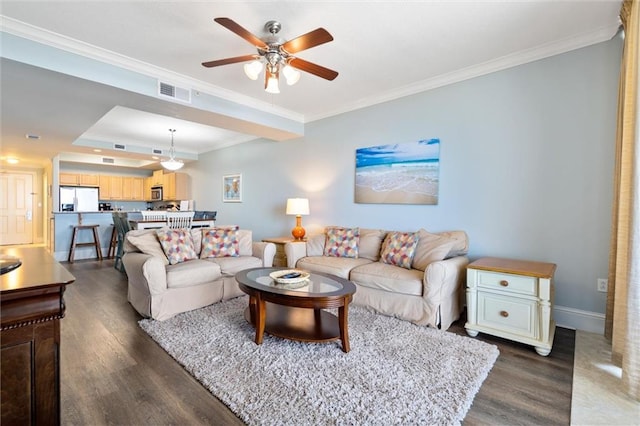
[578,319]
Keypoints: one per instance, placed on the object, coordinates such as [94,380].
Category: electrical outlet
[602,285]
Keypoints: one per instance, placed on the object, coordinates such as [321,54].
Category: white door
[16,208]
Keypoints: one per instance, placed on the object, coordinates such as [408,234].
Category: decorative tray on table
[290,278]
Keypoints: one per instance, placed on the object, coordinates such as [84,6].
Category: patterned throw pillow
[398,248]
[177,245]
[220,242]
[342,242]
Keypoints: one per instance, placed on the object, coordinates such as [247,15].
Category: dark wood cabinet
[31,306]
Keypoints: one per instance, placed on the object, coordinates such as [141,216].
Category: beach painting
[404,173]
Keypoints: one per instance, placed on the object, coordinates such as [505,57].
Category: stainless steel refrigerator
[78,199]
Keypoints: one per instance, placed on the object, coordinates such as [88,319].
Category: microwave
[156,193]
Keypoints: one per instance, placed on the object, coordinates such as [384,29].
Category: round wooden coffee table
[297,314]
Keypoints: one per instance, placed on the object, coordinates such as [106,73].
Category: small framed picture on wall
[232,188]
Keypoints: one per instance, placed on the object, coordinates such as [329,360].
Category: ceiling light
[253,69]
[172,164]
[273,59]
[291,74]
[276,55]
[271,82]
[32,136]
[97,150]
[12,160]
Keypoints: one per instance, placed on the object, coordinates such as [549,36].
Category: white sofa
[430,292]
[160,290]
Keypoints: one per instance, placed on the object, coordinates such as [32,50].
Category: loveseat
[414,276]
[173,271]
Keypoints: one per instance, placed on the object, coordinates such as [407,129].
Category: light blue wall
[526,167]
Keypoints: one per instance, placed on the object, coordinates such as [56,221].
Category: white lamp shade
[298,206]
[291,74]
[253,69]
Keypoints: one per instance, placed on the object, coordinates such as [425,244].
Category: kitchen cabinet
[127,193]
[132,188]
[69,179]
[158,178]
[176,186]
[89,180]
[104,187]
[512,299]
[148,183]
[116,188]
[76,179]
[137,189]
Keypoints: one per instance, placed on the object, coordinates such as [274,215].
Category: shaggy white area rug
[395,373]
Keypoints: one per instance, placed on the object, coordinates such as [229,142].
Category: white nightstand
[512,299]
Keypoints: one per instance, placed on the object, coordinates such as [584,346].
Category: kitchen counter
[98,212]
[154,224]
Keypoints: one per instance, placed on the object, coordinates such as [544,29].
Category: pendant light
[172,164]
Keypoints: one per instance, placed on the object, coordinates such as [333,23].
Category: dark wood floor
[112,373]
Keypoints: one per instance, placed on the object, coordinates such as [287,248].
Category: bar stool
[113,244]
[121,223]
[95,243]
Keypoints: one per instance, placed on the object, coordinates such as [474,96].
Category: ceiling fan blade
[306,41]
[312,68]
[228,61]
[236,28]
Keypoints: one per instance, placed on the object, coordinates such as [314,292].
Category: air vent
[119,147]
[156,151]
[177,93]
[108,160]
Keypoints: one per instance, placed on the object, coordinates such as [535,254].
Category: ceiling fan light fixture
[253,69]
[172,164]
[291,74]
[275,55]
[271,82]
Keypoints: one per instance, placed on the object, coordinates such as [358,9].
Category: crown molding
[68,44]
[499,64]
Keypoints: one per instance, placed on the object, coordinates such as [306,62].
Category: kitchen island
[63,222]
[62,230]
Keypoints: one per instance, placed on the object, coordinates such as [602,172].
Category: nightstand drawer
[507,314]
[508,282]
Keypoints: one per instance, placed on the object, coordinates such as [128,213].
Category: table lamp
[298,207]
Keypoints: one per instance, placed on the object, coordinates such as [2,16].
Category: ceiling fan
[276,55]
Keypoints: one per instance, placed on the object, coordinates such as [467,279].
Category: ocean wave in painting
[398,174]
